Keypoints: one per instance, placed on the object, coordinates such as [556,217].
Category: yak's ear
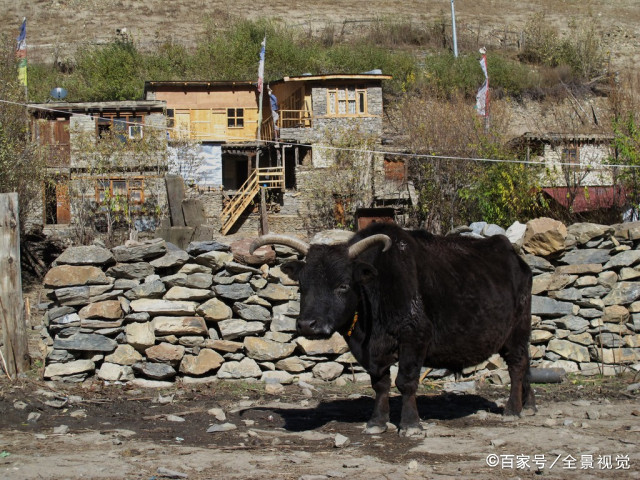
[364,272]
[292,269]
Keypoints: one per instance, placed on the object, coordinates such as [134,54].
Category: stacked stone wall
[150,313]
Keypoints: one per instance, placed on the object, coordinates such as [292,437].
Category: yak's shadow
[358,410]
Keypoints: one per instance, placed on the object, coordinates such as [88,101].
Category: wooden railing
[294,119]
[268,177]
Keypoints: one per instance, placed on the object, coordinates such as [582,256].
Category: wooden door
[63,205]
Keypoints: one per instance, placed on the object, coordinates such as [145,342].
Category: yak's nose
[307,326]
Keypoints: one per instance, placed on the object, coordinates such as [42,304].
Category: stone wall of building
[151,313]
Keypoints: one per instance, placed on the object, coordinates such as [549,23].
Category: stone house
[99,153]
[576,176]
[303,117]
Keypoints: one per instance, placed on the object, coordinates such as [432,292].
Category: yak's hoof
[415,431]
[374,429]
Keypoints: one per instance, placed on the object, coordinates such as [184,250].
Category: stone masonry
[151,313]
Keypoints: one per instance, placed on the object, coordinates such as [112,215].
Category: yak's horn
[368,242]
[275,239]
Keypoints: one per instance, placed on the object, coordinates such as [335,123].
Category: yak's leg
[410,363]
[381,383]
[516,354]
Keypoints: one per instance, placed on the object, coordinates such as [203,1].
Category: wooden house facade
[70,135]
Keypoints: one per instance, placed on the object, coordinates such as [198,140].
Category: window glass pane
[361,102]
[342,107]
[341,94]
[119,187]
[352,94]
[352,107]
[239,122]
[136,196]
[135,127]
[239,112]
[332,102]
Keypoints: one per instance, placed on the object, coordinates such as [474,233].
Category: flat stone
[328,371]
[609,340]
[69,368]
[569,350]
[206,361]
[267,350]
[165,353]
[155,289]
[277,376]
[544,306]
[167,307]
[236,328]
[124,355]
[294,364]
[333,345]
[583,338]
[110,310]
[550,281]
[125,283]
[190,294]
[228,346]
[252,312]
[175,280]
[223,427]
[190,268]
[198,248]
[572,322]
[615,314]
[538,264]
[617,356]
[215,260]
[172,259]
[624,259]
[586,232]
[85,342]
[540,336]
[579,269]
[585,256]
[86,255]
[113,372]
[623,293]
[198,280]
[246,368]
[132,271]
[140,335]
[138,317]
[137,252]
[214,310]
[73,275]
[282,323]
[278,293]
[234,291]
[164,325]
[155,371]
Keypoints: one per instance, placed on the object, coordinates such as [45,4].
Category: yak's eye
[342,289]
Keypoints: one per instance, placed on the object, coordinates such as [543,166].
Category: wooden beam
[15,349]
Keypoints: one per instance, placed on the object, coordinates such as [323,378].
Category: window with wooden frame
[346,101]
[126,126]
[571,154]
[235,117]
[130,190]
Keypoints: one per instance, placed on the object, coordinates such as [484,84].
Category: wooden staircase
[269,177]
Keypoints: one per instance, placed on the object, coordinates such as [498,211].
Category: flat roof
[100,106]
[335,76]
[198,83]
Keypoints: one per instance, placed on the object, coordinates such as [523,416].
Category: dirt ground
[118,432]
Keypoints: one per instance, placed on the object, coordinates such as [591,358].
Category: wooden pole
[14,333]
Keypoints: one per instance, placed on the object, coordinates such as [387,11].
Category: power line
[588,166]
